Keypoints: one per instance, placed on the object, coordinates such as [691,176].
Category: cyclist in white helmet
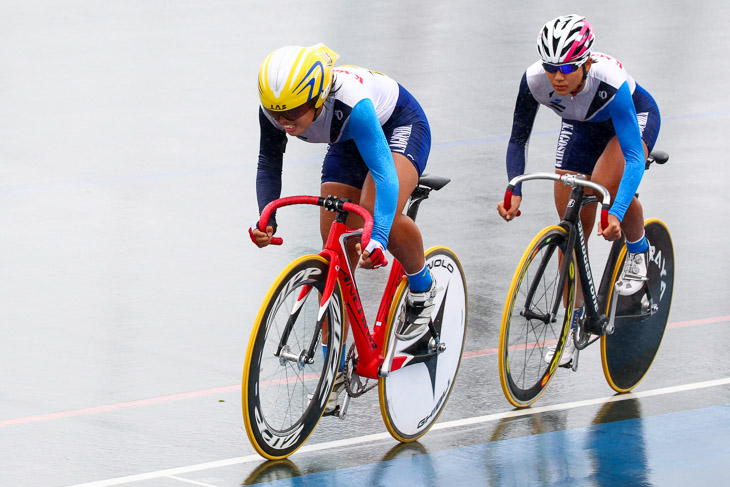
[378,143]
[609,125]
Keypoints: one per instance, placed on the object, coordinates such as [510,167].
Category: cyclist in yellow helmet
[379,140]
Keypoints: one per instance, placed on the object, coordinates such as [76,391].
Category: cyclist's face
[295,121]
[565,84]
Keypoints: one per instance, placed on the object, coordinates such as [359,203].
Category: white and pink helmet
[566,39]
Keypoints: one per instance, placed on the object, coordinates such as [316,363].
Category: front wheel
[286,378]
[422,377]
[642,318]
[536,318]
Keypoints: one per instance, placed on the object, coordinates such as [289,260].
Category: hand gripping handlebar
[568,180]
[330,203]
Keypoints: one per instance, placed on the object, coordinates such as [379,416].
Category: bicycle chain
[361,388]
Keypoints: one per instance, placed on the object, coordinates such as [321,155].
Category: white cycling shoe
[633,275]
[568,351]
[419,307]
[337,389]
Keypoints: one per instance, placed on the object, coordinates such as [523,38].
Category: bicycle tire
[283,400]
[413,396]
[628,353]
[524,340]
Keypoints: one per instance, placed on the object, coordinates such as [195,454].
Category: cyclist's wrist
[374,244]
[272,224]
[620,218]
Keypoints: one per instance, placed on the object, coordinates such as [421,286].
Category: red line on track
[114,407]
[705,321]
[220,390]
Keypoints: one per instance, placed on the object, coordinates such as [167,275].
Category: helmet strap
[582,81]
[317,111]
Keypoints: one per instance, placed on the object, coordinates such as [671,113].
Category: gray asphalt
[128,144]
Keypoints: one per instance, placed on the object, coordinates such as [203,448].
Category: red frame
[370,345]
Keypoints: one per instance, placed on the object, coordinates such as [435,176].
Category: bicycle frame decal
[355,310]
[586,267]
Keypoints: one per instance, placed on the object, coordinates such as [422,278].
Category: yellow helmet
[293,75]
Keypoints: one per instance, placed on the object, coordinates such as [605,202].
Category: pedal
[341,409]
[635,305]
[334,412]
[574,361]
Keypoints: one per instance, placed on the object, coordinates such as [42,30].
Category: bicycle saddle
[433,181]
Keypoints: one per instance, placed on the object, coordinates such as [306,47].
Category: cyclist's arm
[271,155]
[623,115]
[364,128]
[522,122]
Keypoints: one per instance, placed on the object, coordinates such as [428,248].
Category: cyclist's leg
[404,241]
[406,244]
[610,166]
[608,172]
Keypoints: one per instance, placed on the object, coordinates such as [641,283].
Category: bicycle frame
[595,302]
[370,345]
[596,305]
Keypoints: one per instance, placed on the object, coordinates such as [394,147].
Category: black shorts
[580,144]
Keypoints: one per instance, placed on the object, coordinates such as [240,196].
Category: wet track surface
[129,283]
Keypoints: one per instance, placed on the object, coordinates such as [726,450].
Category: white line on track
[193,482]
[330,445]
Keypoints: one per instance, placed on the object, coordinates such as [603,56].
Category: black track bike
[539,310]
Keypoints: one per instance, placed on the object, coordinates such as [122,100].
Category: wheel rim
[525,335]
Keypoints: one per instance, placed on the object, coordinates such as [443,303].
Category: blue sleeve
[522,122]
[364,128]
[271,155]
[623,115]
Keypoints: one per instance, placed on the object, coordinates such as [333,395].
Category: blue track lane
[664,450]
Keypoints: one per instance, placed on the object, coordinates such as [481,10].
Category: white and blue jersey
[366,117]
[610,103]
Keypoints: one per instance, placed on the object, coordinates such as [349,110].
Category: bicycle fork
[283,350]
